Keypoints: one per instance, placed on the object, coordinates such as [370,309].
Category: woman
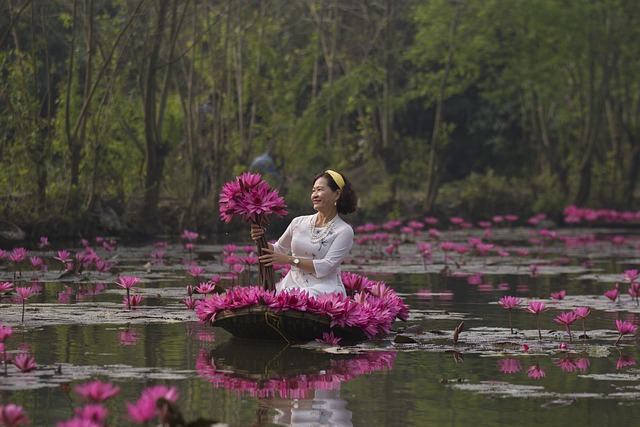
[315,245]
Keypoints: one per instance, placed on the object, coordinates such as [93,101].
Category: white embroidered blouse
[327,255]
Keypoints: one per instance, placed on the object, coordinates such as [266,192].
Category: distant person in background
[265,165]
[315,245]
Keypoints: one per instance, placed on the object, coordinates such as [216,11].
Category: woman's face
[322,196]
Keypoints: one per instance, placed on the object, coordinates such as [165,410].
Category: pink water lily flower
[92,413]
[5,332]
[6,286]
[13,415]
[97,391]
[537,307]
[630,275]
[583,313]
[567,318]
[206,287]
[24,362]
[624,328]
[559,295]
[612,294]
[509,302]
[196,271]
[143,411]
[127,282]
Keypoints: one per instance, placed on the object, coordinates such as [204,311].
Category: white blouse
[327,255]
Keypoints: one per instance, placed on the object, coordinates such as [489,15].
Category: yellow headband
[336,177]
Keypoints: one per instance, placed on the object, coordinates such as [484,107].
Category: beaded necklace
[319,234]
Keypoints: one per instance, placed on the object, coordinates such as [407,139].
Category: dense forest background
[127,116]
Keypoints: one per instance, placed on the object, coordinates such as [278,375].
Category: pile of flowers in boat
[369,305]
[294,386]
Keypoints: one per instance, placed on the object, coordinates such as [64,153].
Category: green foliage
[480,196]
[536,93]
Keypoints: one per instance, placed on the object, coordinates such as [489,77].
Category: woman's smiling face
[322,196]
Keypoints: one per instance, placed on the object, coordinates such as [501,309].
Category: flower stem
[510,326]
[538,322]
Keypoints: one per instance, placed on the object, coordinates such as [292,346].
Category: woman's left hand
[270,258]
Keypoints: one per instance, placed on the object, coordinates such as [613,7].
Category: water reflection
[294,386]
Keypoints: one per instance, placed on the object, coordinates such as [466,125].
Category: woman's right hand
[256,232]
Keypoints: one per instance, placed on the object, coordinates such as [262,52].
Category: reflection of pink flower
[566,364]
[624,361]
[128,337]
[328,338]
[190,303]
[97,391]
[509,366]
[582,363]
[536,372]
[133,300]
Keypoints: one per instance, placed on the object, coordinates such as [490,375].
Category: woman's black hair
[348,200]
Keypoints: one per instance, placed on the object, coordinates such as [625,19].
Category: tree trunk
[433,172]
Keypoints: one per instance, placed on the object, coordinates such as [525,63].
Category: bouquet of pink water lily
[251,198]
[372,308]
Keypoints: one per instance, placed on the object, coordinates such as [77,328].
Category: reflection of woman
[326,408]
[315,245]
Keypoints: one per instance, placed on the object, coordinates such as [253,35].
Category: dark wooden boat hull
[264,323]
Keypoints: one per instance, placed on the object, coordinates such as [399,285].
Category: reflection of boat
[284,372]
[255,313]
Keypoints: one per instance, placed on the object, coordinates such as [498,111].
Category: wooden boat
[264,323]
[256,313]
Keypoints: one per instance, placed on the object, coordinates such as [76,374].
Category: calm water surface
[489,377]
